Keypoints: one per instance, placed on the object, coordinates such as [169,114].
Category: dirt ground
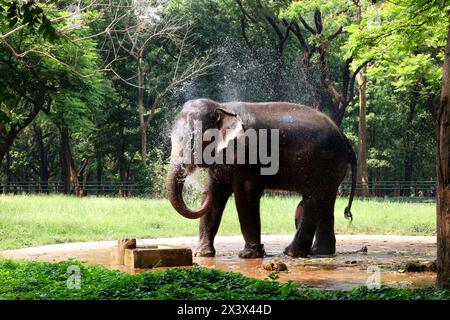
[360,259]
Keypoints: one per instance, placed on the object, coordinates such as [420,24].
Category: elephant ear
[230,126]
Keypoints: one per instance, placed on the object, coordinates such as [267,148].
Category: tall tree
[42,153]
[418,33]
[312,31]
[362,176]
[39,50]
[319,27]
[265,15]
[142,35]
[443,170]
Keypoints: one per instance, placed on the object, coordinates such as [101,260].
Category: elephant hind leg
[303,238]
[325,240]
[315,221]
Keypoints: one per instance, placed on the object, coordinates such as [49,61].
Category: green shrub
[151,179]
[158,169]
[40,280]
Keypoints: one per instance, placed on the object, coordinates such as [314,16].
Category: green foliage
[142,177]
[400,126]
[404,42]
[57,77]
[158,173]
[49,281]
[399,27]
[28,13]
[151,179]
[60,78]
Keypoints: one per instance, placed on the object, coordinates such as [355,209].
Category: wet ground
[360,259]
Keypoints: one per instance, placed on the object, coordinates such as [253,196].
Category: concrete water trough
[131,255]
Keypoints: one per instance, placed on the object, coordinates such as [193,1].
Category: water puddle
[349,268]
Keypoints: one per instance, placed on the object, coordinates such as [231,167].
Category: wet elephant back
[312,148]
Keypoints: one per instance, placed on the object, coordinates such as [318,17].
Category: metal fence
[89,188]
[390,189]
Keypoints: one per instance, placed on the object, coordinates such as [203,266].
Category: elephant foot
[324,245]
[323,251]
[252,251]
[295,253]
[205,251]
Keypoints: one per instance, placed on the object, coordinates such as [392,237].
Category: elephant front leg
[299,214]
[209,223]
[307,220]
[247,196]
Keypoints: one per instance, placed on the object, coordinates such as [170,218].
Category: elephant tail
[353,163]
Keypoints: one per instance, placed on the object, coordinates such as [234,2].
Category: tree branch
[307,26]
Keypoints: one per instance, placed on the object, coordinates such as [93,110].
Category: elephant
[313,156]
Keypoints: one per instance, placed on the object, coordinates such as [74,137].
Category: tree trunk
[86,178]
[141,108]
[409,145]
[82,176]
[8,140]
[65,173]
[8,136]
[443,172]
[362,174]
[43,160]
[127,176]
[128,191]
[100,190]
[6,187]
[68,164]
[122,173]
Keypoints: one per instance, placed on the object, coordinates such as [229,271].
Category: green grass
[40,280]
[35,220]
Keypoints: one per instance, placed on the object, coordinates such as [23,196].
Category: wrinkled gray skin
[313,160]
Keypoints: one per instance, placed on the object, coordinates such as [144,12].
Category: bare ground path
[349,268]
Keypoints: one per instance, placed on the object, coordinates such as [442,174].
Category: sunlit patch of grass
[44,219]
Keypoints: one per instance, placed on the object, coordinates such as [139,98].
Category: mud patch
[420,266]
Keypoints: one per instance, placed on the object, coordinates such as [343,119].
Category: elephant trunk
[175,182]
